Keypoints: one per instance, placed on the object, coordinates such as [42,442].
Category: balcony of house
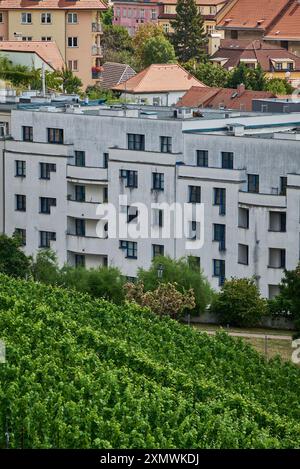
[97,27]
[262,200]
[141,156]
[97,50]
[82,209]
[87,173]
[87,245]
[213,174]
[39,148]
[96,72]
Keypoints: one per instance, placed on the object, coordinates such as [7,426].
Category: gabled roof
[47,51]
[288,24]
[159,78]
[252,14]
[52,5]
[228,98]
[114,73]
[262,52]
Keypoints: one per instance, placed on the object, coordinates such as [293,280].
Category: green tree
[45,267]
[189,36]
[253,79]
[115,39]
[208,73]
[180,272]
[157,50]
[13,261]
[279,86]
[287,303]
[144,32]
[107,16]
[239,303]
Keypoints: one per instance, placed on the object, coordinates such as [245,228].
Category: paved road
[252,336]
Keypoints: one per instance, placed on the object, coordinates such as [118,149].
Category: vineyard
[84,373]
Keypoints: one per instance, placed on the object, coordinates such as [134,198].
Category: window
[194,230]
[253,183]
[79,193]
[20,168]
[56,136]
[158,181]
[20,233]
[290,66]
[283,185]
[130,247]
[234,34]
[166,27]
[243,221]
[278,66]
[27,133]
[79,227]
[227,159]
[46,38]
[202,158]
[243,254]
[79,158]
[46,203]
[219,270]
[274,290]
[72,41]
[158,250]
[277,258]
[1,17]
[118,12]
[46,18]
[105,160]
[46,237]
[20,202]
[46,169]
[158,217]
[131,177]
[73,65]
[124,12]
[79,260]
[142,13]
[220,199]
[195,194]
[72,18]
[25,18]
[153,14]
[277,221]
[132,213]
[136,142]
[26,38]
[219,235]
[166,144]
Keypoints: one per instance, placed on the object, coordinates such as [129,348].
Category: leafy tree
[157,50]
[279,86]
[45,267]
[287,303]
[189,37]
[107,16]
[208,73]
[181,273]
[69,82]
[253,79]
[115,39]
[145,32]
[239,303]
[13,261]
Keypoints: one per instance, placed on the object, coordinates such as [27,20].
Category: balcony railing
[96,50]
[97,28]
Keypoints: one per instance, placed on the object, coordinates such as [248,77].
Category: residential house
[113,74]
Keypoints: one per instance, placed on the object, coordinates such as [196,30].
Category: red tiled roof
[252,14]
[288,25]
[47,51]
[235,51]
[228,98]
[52,4]
[160,78]
[198,2]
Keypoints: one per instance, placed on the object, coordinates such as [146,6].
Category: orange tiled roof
[52,4]
[198,2]
[228,98]
[47,51]
[160,78]
[252,14]
[288,25]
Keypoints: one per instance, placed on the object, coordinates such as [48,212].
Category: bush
[239,303]
[13,261]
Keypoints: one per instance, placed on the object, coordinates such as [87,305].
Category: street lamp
[160,271]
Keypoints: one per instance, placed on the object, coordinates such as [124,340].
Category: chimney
[241,89]
[214,42]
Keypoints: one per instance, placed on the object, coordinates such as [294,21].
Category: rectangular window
[20,168]
[253,183]
[26,38]
[27,133]
[136,142]
[20,233]
[46,203]
[1,18]
[220,199]
[243,221]
[132,214]
[153,14]
[130,247]
[20,202]
[79,227]
[73,65]
[158,181]
[26,18]
[158,250]
[202,158]
[79,260]
[46,237]
[46,18]
[227,159]
[72,41]
[243,254]
[277,221]
[79,158]
[157,217]
[46,169]
[72,18]
[46,38]
[130,177]
[55,136]
[194,194]
[105,160]
[80,193]
[277,258]
[283,185]
[166,144]
[220,235]
[219,270]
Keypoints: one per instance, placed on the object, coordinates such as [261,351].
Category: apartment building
[61,165]
[75,26]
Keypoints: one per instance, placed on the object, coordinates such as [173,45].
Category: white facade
[260,231]
[168,98]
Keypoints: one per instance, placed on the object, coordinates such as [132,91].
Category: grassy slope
[85,373]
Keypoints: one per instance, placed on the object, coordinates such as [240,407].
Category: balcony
[87,245]
[97,28]
[82,209]
[217,174]
[262,200]
[87,174]
[97,50]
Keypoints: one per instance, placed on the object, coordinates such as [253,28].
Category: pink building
[132,13]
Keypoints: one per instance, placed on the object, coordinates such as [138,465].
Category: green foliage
[95,92]
[189,36]
[183,274]
[208,73]
[115,38]
[287,303]
[13,261]
[45,267]
[140,39]
[239,303]
[84,373]
[279,86]
[107,16]
[157,50]
[252,78]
